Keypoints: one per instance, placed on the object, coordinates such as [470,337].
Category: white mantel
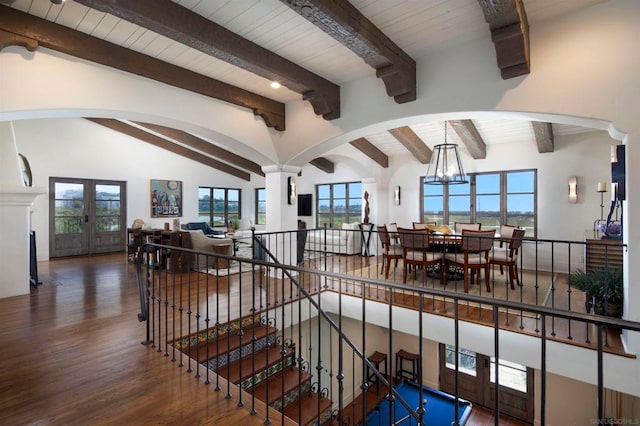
[16,200]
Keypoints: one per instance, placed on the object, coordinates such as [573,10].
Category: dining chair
[508,256]
[390,251]
[416,253]
[473,256]
[458,227]
[506,232]
[424,225]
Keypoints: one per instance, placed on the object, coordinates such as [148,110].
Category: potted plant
[603,288]
[612,292]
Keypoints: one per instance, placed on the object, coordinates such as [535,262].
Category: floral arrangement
[610,229]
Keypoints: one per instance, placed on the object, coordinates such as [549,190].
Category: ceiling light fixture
[275,85]
[57,1]
[445,167]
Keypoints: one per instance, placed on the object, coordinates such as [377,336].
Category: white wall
[77,148]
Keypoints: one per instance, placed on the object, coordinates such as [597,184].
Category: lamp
[602,188]
[445,167]
[291,190]
[396,196]
[573,189]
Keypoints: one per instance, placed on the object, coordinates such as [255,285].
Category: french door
[476,381]
[86,216]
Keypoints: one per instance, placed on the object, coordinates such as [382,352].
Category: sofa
[204,226]
[346,240]
[197,240]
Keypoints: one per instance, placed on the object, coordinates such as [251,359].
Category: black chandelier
[445,167]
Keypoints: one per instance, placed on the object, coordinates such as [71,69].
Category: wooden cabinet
[603,252]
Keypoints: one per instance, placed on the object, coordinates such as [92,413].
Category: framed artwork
[166,198]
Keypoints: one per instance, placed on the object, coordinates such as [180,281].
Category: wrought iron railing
[296,307]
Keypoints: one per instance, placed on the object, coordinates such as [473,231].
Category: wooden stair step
[227,343]
[240,370]
[305,409]
[292,378]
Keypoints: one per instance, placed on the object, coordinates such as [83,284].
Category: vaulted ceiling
[232,50]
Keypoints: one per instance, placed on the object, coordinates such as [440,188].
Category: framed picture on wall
[166,198]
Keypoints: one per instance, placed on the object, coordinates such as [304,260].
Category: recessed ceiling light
[275,85]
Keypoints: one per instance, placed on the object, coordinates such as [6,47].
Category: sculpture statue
[366,207]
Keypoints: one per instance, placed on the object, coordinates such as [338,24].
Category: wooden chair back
[477,241]
[458,227]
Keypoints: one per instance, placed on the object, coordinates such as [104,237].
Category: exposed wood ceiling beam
[544,136]
[204,146]
[62,39]
[160,142]
[323,164]
[509,27]
[470,137]
[371,151]
[184,26]
[413,143]
[342,21]
[10,39]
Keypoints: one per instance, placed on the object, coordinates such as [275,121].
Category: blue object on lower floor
[439,408]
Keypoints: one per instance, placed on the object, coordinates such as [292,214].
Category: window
[466,360]
[261,206]
[218,206]
[511,375]
[489,198]
[338,203]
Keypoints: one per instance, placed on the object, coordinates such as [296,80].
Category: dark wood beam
[509,27]
[323,164]
[75,43]
[184,26]
[11,39]
[160,142]
[413,143]
[470,137]
[544,136]
[371,151]
[204,146]
[342,21]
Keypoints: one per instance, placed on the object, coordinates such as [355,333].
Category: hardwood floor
[73,355]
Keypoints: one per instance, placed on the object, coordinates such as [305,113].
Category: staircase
[251,354]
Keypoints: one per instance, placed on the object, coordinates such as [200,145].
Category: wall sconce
[396,196]
[291,190]
[573,189]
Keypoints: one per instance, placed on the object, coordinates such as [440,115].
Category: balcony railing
[274,327]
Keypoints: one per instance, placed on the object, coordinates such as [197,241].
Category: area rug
[234,268]
[535,288]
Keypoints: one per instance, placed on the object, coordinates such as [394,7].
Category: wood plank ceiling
[231,50]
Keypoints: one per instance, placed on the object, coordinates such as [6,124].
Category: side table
[221,262]
[366,229]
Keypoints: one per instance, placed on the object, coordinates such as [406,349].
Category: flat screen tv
[304,204]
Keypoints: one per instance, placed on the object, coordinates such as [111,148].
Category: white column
[282,216]
[15,204]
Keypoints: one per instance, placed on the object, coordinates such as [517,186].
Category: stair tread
[237,371]
[227,342]
[305,409]
[292,378]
